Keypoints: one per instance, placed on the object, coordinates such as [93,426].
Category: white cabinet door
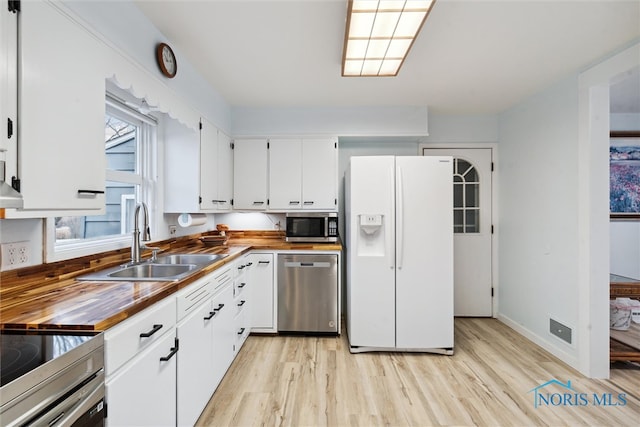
[320,174]
[223,333]
[181,168]
[262,293]
[8,80]
[198,169]
[250,174]
[62,110]
[242,301]
[196,378]
[143,392]
[208,166]
[285,174]
[225,172]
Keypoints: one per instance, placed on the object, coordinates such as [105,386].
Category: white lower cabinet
[242,301]
[263,299]
[224,334]
[142,391]
[163,364]
[195,378]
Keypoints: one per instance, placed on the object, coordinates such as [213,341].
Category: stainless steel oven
[52,379]
[312,227]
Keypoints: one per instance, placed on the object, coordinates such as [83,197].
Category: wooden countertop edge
[235,248]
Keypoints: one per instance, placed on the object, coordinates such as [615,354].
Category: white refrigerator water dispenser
[371,235]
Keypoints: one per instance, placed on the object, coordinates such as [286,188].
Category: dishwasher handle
[299,264]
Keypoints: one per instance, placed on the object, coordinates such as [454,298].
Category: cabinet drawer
[192,296]
[240,304]
[240,286]
[133,335]
[223,278]
[242,267]
[242,329]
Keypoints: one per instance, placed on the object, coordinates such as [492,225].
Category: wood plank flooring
[315,381]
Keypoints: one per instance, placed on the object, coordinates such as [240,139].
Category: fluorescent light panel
[379,35]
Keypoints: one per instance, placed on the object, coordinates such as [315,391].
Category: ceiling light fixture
[379,35]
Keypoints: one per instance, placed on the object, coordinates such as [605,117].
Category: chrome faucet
[146,234]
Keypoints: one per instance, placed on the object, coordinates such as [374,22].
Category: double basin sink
[166,268]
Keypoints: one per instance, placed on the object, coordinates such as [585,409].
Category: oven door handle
[93,403]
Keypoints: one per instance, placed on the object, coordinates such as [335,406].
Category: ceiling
[472,56]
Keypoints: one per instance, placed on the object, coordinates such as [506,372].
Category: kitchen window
[466,188]
[130,141]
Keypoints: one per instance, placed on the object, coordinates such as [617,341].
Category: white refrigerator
[399,248]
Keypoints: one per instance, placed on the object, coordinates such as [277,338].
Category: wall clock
[166,60]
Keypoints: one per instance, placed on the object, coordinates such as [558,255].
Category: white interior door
[472,229]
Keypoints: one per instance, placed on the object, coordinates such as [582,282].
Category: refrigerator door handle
[400,219]
[389,223]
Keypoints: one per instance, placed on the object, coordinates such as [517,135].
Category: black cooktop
[23,351]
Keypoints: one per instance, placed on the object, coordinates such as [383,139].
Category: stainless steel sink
[188,259]
[143,272]
[167,268]
[153,271]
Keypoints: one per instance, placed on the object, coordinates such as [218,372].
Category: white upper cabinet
[198,169]
[225,172]
[8,80]
[303,174]
[285,172]
[320,174]
[181,168]
[208,166]
[216,166]
[61,112]
[250,174]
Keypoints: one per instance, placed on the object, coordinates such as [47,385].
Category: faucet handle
[154,252]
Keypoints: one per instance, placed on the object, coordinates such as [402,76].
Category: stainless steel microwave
[312,227]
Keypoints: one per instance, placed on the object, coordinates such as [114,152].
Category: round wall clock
[166,60]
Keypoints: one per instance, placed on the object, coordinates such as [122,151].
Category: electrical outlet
[172,230]
[15,254]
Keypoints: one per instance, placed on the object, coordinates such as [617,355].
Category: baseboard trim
[539,341]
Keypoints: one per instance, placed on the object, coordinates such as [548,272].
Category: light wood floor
[315,381]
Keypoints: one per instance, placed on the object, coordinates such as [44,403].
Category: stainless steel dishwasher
[308,293]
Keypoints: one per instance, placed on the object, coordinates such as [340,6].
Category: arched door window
[466,197]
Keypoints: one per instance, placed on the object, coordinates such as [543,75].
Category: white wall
[462,129]
[123,25]
[625,249]
[538,215]
[252,220]
[343,121]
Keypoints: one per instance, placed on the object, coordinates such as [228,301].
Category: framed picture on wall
[624,175]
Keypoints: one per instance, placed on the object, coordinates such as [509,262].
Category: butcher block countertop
[49,297]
